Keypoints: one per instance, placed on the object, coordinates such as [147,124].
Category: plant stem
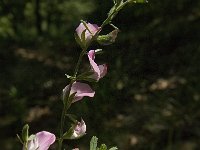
[114,13]
[66,105]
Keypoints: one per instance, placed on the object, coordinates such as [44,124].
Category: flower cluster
[79,86]
[77,90]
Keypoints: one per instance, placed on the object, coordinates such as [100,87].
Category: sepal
[78,40]
[25,132]
[108,39]
[87,76]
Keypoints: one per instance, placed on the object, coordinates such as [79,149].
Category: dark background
[149,99]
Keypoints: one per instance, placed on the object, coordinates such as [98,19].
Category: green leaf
[113,148]
[25,133]
[86,76]
[103,147]
[108,39]
[93,143]
[68,134]
[89,79]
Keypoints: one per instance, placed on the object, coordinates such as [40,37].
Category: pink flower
[93,28]
[99,70]
[41,141]
[81,90]
[79,130]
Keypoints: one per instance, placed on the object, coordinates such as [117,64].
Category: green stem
[66,105]
[113,14]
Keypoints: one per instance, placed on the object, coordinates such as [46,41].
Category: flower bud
[76,131]
[85,32]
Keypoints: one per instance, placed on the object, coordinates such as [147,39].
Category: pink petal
[91,54]
[81,89]
[88,34]
[94,66]
[80,29]
[103,70]
[45,139]
[93,28]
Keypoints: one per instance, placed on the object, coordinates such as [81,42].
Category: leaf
[93,143]
[103,147]
[25,132]
[68,134]
[113,148]
[86,76]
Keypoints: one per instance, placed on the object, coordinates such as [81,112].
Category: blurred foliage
[148,101]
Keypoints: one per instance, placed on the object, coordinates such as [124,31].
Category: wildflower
[99,70]
[81,90]
[41,141]
[90,31]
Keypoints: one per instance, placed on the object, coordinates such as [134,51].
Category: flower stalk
[65,99]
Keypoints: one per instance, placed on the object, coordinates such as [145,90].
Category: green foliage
[93,145]
[25,133]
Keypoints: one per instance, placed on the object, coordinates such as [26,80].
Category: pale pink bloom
[93,28]
[81,90]
[79,130]
[99,70]
[41,141]
[75,149]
